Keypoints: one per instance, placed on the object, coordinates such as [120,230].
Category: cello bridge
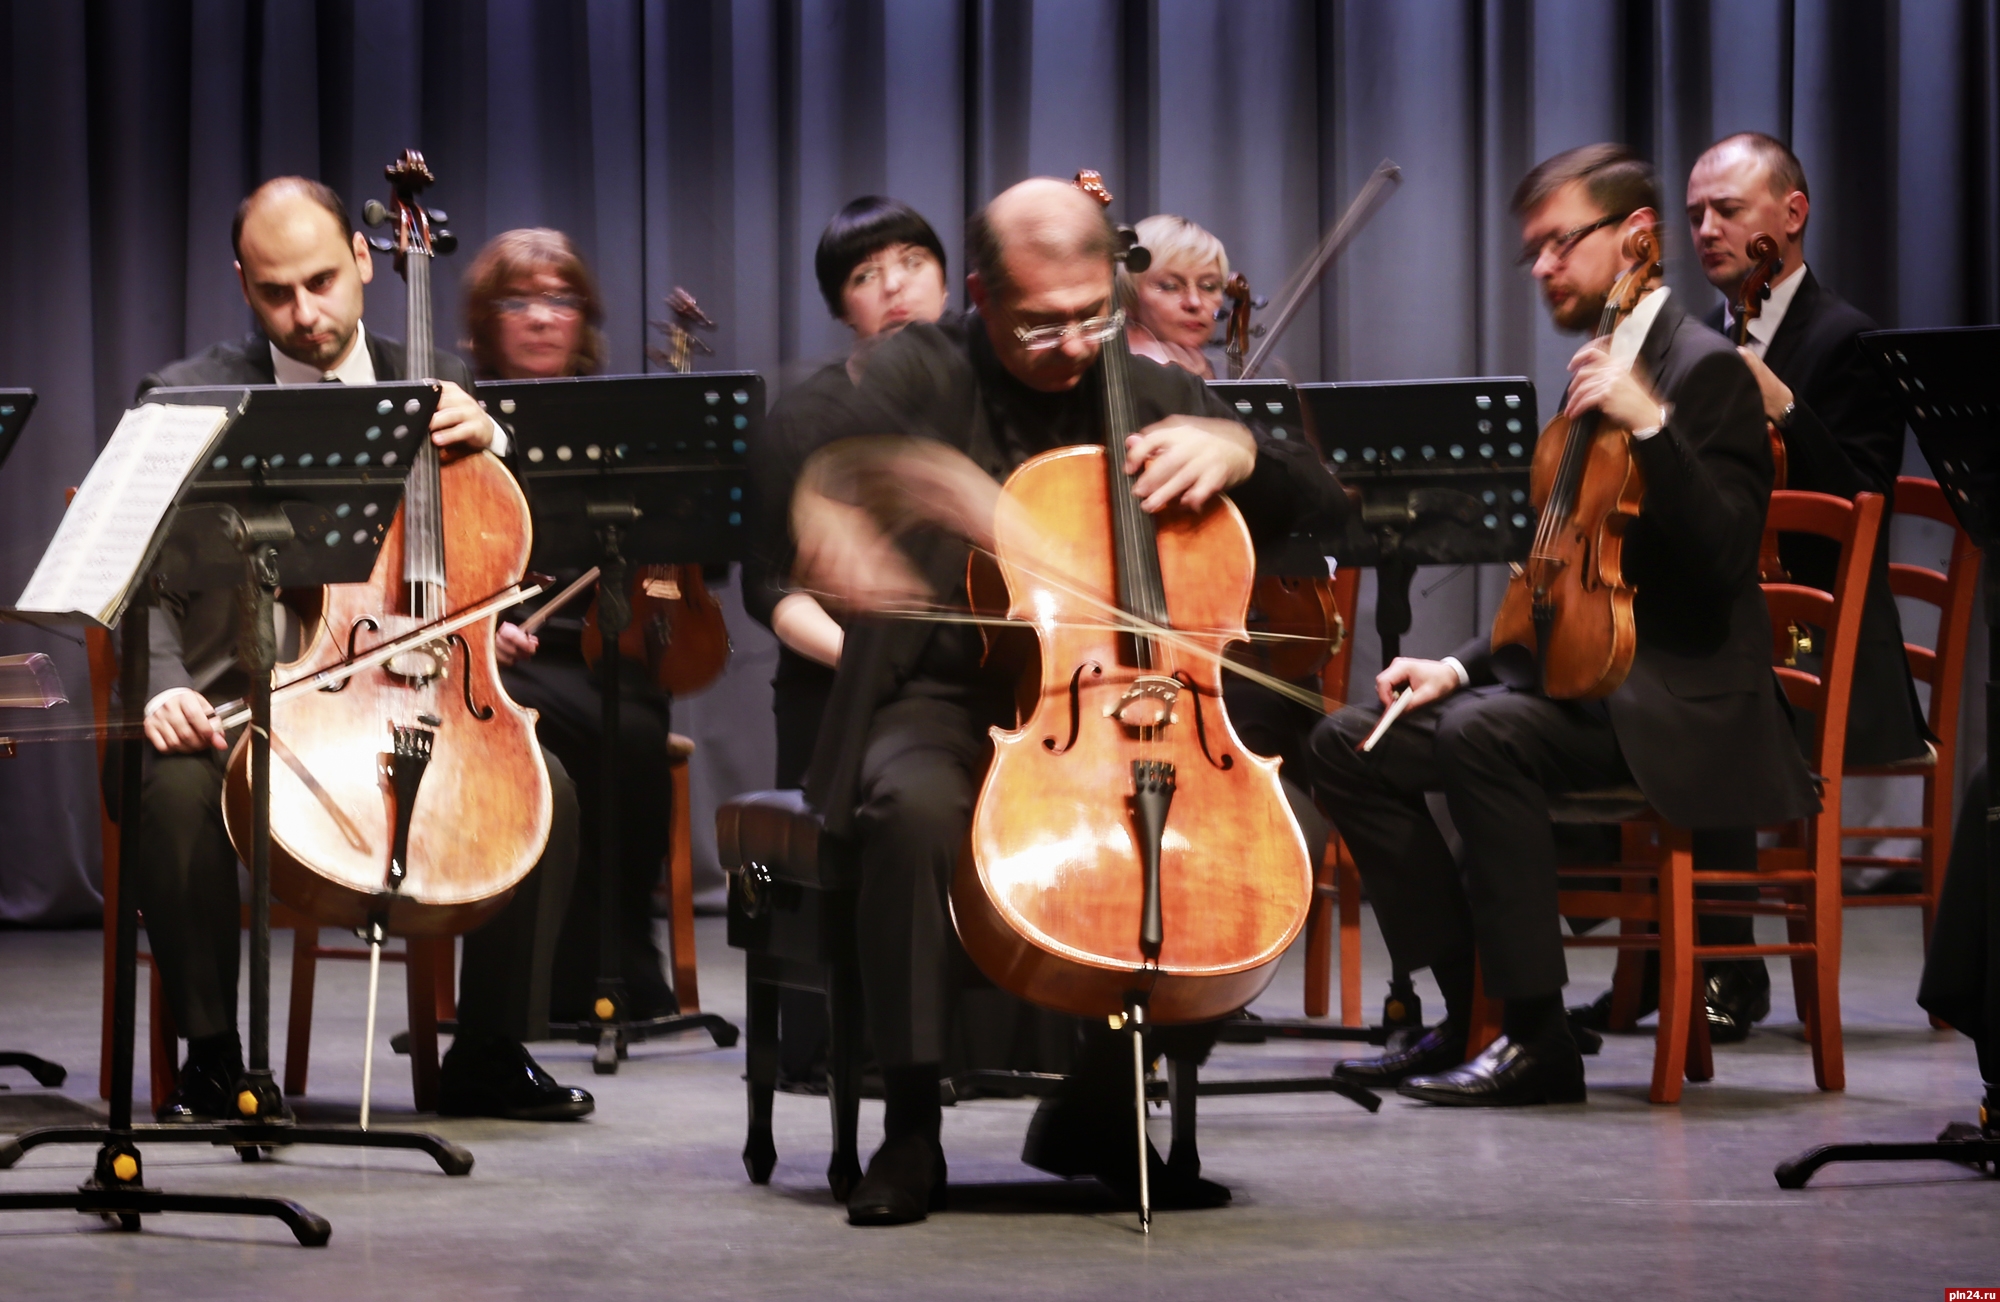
[1147,703]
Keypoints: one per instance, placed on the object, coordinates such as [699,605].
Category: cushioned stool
[791,910]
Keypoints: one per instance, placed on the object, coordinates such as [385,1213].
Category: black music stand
[624,470]
[1442,468]
[1949,383]
[298,488]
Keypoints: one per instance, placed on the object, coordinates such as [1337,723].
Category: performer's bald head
[302,267]
[1040,218]
[1041,255]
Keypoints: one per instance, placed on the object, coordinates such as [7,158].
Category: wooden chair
[430,961]
[1336,906]
[1942,666]
[1799,877]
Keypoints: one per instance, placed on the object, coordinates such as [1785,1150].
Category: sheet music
[93,561]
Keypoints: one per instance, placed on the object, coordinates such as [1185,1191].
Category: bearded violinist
[904,743]
[1698,725]
[303,268]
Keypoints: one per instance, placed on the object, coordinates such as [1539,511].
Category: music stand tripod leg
[614,613]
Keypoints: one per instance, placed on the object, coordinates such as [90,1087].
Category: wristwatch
[1784,421]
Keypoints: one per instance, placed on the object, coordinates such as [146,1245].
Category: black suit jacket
[193,634]
[1700,718]
[1847,438]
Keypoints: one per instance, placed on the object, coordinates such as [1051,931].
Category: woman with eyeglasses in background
[532,312]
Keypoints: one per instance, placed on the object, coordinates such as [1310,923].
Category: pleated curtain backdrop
[704,143]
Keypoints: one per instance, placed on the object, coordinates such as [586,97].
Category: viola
[1125,844]
[677,631]
[1569,604]
[412,794]
[1766,264]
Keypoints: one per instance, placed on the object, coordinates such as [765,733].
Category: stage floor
[648,1198]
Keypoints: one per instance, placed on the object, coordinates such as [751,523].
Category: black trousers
[1496,756]
[1961,982]
[920,774]
[558,685]
[185,881]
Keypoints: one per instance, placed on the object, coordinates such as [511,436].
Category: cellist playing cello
[905,737]
[1697,723]
[303,269]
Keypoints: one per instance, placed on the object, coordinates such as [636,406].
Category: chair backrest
[1836,614]
[1333,675]
[1941,665]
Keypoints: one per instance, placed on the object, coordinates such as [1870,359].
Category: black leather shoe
[202,1093]
[1739,996]
[1506,1075]
[905,1183]
[1439,1049]
[500,1079]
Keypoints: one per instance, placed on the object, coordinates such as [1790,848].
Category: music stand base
[126,1205]
[249,1138]
[1959,1142]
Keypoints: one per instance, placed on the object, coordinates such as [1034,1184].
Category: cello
[1569,605]
[412,796]
[1126,849]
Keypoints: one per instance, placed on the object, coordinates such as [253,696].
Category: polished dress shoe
[203,1092]
[499,1079]
[1439,1049]
[1506,1075]
[905,1183]
[1738,997]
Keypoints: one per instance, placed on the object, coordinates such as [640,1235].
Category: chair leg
[1701,1049]
[1677,964]
[1829,1061]
[420,978]
[1319,938]
[845,1027]
[165,1040]
[444,958]
[1347,881]
[760,1076]
[680,882]
[1628,978]
[298,1027]
[1484,1027]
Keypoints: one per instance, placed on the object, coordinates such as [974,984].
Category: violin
[1766,264]
[1568,604]
[1125,845]
[410,796]
[677,631]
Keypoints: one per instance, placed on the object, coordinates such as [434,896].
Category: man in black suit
[1843,434]
[900,755]
[302,267]
[1698,724]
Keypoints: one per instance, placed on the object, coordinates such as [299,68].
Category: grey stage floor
[648,1198]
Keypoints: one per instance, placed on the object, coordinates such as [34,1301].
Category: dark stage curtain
[703,143]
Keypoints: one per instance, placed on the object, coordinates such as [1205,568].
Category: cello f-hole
[472,707]
[1075,706]
[1223,762]
[354,631]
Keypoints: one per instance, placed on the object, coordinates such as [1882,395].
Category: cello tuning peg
[383,243]
[1138,258]
[444,242]
[1260,302]
[374,213]
[437,215]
